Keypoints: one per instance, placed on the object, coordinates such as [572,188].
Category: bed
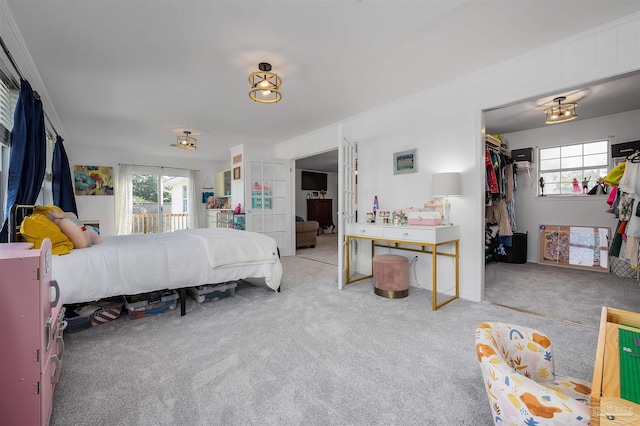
[134,264]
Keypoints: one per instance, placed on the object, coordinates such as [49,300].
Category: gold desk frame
[395,244]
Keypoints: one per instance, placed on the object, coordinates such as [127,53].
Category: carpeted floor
[325,251]
[564,293]
[310,355]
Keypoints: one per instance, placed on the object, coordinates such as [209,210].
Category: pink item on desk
[424,218]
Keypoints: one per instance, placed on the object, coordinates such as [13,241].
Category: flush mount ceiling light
[187,142]
[265,85]
[561,113]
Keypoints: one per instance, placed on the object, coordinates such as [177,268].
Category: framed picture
[206,195]
[236,173]
[315,194]
[93,180]
[405,162]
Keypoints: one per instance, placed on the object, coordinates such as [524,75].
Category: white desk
[421,239]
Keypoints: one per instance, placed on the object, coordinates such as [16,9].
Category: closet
[624,179]
[502,243]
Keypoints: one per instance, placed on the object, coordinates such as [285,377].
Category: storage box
[624,149]
[424,218]
[157,302]
[75,322]
[205,293]
[524,154]
[434,206]
[145,299]
[517,253]
[80,316]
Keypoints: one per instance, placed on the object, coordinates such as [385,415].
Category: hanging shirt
[492,180]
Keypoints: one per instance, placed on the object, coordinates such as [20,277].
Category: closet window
[584,162]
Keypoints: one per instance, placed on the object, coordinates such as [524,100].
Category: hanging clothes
[492,180]
[614,176]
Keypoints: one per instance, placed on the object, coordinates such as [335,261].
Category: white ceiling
[601,98]
[133,75]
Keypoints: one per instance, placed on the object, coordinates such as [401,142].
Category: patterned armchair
[518,371]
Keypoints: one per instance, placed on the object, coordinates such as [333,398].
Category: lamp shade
[446,185]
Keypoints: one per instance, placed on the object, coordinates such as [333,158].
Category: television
[314,181]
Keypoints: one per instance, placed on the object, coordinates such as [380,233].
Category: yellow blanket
[37,227]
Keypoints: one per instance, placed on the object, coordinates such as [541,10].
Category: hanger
[634,158]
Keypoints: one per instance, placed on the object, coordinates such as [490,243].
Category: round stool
[391,276]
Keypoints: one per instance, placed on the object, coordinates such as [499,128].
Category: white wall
[102,208]
[533,211]
[445,124]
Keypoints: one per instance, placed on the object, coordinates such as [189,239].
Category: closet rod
[35,93]
[157,167]
[13,63]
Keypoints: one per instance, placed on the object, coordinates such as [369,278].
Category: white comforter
[133,264]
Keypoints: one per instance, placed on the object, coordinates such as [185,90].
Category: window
[562,166]
[185,199]
[8,96]
[45,197]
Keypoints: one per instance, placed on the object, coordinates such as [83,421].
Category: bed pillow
[37,227]
[75,231]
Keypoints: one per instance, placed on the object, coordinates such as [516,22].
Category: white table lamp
[446,185]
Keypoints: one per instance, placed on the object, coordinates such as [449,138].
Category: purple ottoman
[391,276]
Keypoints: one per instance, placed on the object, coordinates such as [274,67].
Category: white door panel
[347,176]
[268,208]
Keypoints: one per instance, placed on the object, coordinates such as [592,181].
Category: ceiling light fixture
[187,142]
[265,85]
[561,113]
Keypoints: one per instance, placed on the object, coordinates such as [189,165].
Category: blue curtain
[62,184]
[28,153]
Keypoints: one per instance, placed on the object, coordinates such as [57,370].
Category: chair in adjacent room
[307,233]
[518,370]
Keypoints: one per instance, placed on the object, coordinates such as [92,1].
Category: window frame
[581,172]
[8,98]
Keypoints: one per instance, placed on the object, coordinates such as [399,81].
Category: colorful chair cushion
[518,370]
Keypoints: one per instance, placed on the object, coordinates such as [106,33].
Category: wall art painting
[405,162]
[93,180]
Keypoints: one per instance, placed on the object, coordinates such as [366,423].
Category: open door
[268,208]
[347,201]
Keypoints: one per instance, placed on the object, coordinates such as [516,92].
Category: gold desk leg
[454,297]
[348,259]
[346,281]
[434,277]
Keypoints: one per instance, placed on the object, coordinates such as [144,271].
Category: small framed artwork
[206,195]
[315,194]
[236,173]
[405,162]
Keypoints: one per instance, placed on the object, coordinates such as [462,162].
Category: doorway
[605,109]
[322,163]
[159,203]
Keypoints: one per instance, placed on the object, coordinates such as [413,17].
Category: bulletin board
[582,247]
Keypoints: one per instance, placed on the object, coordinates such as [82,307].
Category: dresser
[430,240]
[31,326]
[321,210]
